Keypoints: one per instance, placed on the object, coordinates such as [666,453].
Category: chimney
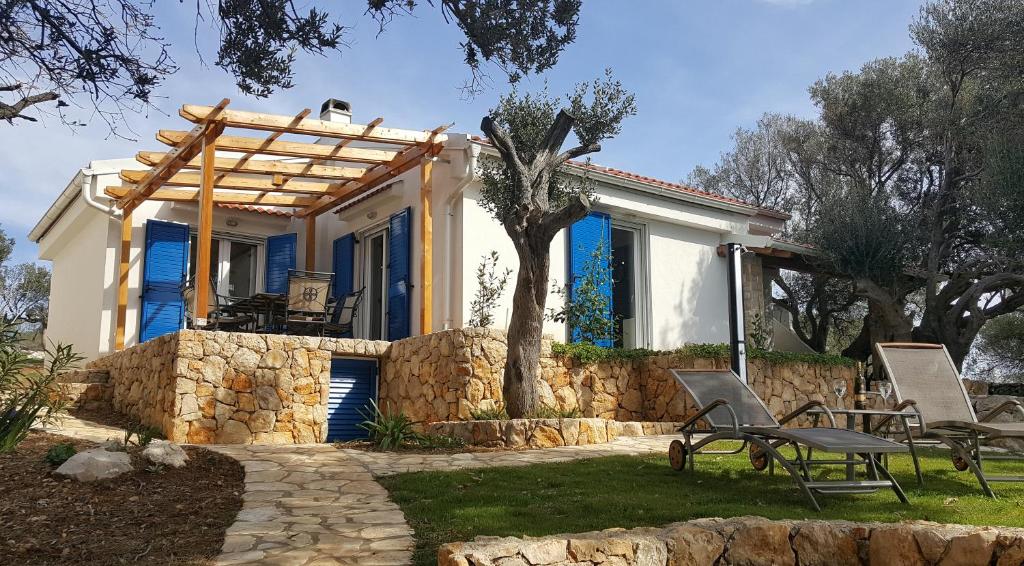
[334,110]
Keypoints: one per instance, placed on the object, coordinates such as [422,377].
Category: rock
[234,432]
[759,542]
[262,421]
[971,549]
[113,445]
[824,544]
[545,552]
[267,398]
[688,545]
[894,544]
[165,453]
[95,464]
[546,437]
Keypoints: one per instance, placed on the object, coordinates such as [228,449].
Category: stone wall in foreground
[752,541]
[230,387]
[452,374]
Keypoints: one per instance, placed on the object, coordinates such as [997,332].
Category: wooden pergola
[310,178]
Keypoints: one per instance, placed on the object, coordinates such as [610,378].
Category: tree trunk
[525,329]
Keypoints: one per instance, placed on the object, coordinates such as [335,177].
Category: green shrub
[387,430]
[29,395]
[142,434]
[59,453]
[496,414]
[589,354]
[439,442]
[546,412]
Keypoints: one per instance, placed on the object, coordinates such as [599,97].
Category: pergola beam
[374,177]
[220,197]
[286,148]
[269,166]
[204,234]
[238,182]
[123,268]
[188,146]
[310,127]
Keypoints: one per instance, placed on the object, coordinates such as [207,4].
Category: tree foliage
[586,307]
[24,289]
[528,191]
[999,350]
[490,286]
[909,178]
[110,57]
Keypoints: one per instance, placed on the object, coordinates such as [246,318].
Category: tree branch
[576,209]
[11,111]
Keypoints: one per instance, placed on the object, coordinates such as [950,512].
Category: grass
[626,491]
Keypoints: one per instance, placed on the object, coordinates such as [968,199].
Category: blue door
[165,263]
[353,385]
[280,258]
[399,271]
[584,238]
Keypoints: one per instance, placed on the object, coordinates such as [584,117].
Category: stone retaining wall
[752,541]
[88,389]
[546,433]
[230,387]
[451,375]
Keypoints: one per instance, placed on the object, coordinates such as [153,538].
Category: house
[412,240]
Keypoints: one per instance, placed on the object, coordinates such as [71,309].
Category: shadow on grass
[624,491]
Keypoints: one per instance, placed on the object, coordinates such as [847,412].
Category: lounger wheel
[759,459]
[959,463]
[677,455]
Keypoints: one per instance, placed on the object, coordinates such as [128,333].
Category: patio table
[263,305]
[866,417]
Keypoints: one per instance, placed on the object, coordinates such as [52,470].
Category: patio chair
[729,410]
[306,309]
[220,314]
[342,315]
[925,380]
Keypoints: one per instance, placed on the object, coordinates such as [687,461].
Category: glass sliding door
[234,265]
[374,278]
[628,285]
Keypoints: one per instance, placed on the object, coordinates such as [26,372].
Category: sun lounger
[925,379]
[729,410]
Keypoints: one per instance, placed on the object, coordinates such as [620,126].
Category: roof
[259,209]
[662,184]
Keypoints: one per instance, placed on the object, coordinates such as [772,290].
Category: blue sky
[699,69]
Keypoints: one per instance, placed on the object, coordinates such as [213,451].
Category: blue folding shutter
[399,269]
[280,258]
[165,262]
[344,264]
[353,385]
[584,237]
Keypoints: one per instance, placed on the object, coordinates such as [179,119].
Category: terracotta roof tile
[662,184]
[259,209]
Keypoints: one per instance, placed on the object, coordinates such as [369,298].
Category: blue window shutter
[584,238]
[399,269]
[165,263]
[344,264]
[280,258]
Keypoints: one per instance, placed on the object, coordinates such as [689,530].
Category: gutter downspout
[471,153]
[111,210]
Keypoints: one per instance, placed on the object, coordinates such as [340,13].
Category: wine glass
[839,388]
[885,389]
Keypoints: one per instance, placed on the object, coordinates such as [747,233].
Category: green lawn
[625,491]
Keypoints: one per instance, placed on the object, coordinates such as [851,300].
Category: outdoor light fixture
[231,222]
[371,215]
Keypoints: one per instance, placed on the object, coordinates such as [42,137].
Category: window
[234,265]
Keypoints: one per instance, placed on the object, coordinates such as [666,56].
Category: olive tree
[528,191]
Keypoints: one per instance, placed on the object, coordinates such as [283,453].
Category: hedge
[588,354]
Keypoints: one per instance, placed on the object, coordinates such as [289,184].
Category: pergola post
[311,242]
[427,241]
[737,325]
[205,235]
[122,278]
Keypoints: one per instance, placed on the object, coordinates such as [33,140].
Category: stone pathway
[390,463]
[313,504]
[310,505]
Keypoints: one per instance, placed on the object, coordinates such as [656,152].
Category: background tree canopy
[909,179]
[109,56]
